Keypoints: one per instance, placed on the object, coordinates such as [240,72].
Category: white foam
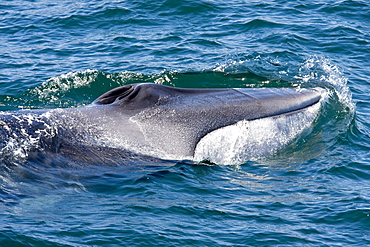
[321,72]
[18,135]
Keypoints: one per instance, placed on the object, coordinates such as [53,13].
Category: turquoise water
[313,192]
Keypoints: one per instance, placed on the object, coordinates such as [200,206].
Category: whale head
[173,121]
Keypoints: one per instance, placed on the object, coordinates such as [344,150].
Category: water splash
[318,71]
[22,132]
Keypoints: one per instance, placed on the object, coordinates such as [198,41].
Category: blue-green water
[314,192]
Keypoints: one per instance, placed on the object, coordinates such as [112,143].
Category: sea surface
[313,192]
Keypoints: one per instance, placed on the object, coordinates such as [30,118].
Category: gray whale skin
[157,120]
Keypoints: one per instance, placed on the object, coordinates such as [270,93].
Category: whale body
[166,122]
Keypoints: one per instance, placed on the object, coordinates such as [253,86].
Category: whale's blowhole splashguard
[224,126]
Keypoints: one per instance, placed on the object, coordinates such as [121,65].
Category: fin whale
[152,119]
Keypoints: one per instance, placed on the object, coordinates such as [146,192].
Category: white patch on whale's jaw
[250,140]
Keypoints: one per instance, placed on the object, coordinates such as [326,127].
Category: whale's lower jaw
[248,140]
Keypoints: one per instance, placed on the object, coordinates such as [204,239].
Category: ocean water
[315,191]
